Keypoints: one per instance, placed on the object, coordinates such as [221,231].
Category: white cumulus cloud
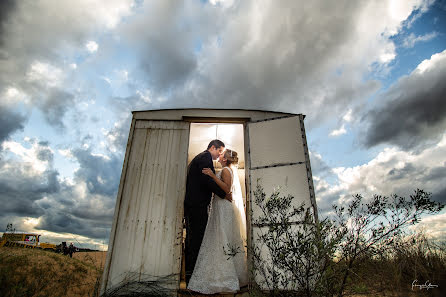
[91,46]
[411,40]
[427,64]
[396,171]
[339,131]
[348,117]
[32,157]
[433,226]
[12,95]
[45,74]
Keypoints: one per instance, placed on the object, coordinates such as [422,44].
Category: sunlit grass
[34,272]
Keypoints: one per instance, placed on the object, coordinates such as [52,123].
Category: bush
[296,255]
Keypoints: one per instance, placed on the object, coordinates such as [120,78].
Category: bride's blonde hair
[231,157]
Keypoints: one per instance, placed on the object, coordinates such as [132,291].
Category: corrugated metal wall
[148,225]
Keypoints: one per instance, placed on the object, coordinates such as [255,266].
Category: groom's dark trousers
[199,189]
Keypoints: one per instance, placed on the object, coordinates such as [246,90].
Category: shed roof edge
[228,109]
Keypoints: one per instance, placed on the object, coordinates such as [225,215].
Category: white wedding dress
[222,263]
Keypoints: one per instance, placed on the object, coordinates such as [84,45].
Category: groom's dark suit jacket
[199,186]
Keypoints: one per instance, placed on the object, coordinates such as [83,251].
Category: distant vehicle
[27,240]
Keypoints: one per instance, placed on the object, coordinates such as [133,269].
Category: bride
[222,263]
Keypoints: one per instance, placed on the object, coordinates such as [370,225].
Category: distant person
[64,248]
[71,250]
[199,189]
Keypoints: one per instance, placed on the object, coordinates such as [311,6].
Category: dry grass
[97,259]
[29,272]
[393,274]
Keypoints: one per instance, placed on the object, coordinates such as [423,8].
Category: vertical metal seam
[180,202]
[153,139]
[309,173]
[249,236]
[147,171]
[167,161]
[138,191]
[157,251]
[151,175]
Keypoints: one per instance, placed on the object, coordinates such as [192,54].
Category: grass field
[33,272]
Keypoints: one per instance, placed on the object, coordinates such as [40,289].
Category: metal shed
[147,231]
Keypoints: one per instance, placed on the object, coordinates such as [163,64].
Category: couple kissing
[214,212]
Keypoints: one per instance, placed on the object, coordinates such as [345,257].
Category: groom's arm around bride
[199,186]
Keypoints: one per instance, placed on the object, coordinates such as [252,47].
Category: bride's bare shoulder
[226,169]
[226,173]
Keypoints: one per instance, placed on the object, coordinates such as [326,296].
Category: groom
[199,189]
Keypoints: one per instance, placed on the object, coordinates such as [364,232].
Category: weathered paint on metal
[117,210]
[276,141]
[147,237]
[290,180]
[272,142]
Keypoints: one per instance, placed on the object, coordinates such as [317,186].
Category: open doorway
[200,135]
[231,134]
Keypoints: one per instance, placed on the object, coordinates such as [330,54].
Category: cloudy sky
[369,75]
